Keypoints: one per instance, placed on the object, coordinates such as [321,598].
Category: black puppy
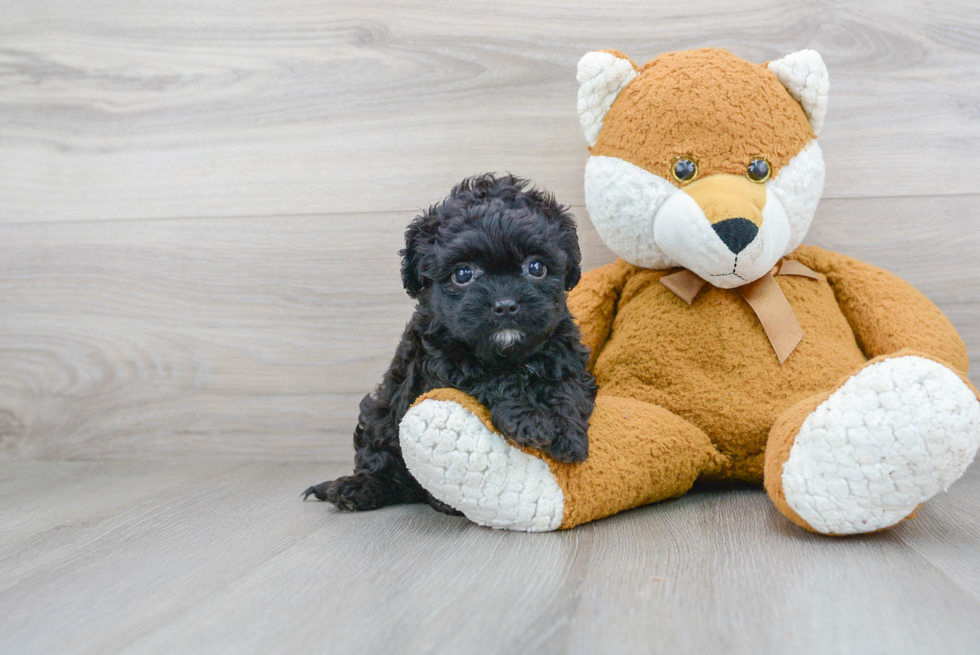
[490,266]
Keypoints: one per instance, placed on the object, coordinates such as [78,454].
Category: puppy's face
[499,285]
[492,263]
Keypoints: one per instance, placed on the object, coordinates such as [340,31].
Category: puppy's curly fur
[489,266]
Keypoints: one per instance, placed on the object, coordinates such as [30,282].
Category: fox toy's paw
[865,456]
[451,449]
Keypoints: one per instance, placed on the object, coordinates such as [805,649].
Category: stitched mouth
[734,266]
[733,273]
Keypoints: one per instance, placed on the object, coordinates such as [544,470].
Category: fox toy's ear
[805,76]
[420,240]
[601,76]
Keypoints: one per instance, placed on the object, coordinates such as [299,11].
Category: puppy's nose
[736,233]
[505,307]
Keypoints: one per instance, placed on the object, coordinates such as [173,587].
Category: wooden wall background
[201,202]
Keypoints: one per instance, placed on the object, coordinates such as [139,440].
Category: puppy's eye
[758,170]
[463,275]
[536,268]
[684,170]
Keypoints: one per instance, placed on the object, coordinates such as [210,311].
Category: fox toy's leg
[638,453]
[864,456]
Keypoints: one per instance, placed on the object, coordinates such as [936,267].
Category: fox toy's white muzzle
[721,236]
[650,222]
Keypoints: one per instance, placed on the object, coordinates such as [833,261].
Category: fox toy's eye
[536,268]
[684,169]
[758,170]
[463,275]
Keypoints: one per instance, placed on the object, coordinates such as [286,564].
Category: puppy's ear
[420,238]
[568,241]
[560,218]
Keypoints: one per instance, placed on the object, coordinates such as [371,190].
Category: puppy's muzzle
[507,338]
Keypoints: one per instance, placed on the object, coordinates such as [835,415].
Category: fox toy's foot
[462,462]
[863,457]
[638,454]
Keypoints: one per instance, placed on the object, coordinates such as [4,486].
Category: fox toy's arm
[886,313]
[593,303]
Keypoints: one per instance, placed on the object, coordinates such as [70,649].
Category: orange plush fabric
[706,104]
[712,364]
[690,392]
[886,313]
[639,453]
[594,304]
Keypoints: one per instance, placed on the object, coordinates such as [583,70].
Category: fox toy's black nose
[736,233]
[506,307]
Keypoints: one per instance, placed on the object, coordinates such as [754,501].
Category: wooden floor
[201,207]
[202,557]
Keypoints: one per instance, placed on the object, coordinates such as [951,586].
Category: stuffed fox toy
[723,349]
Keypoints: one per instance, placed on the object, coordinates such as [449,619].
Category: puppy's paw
[318,490]
[560,438]
[525,428]
[569,448]
[353,493]
[571,440]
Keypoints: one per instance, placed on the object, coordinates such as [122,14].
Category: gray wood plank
[127,568]
[114,110]
[256,338]
[235,562]
[48,511]
[939,535]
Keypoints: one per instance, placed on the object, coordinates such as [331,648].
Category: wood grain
[256,338]
[221,557]
[159,109]
[201,204]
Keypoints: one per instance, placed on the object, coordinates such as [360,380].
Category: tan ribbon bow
[764,297]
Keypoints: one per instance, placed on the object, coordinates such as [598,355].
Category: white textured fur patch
[601,76]
[622,200]
[798,186]
[805,76]
[894,435]
[625,201]
[459,461]
[683,233]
